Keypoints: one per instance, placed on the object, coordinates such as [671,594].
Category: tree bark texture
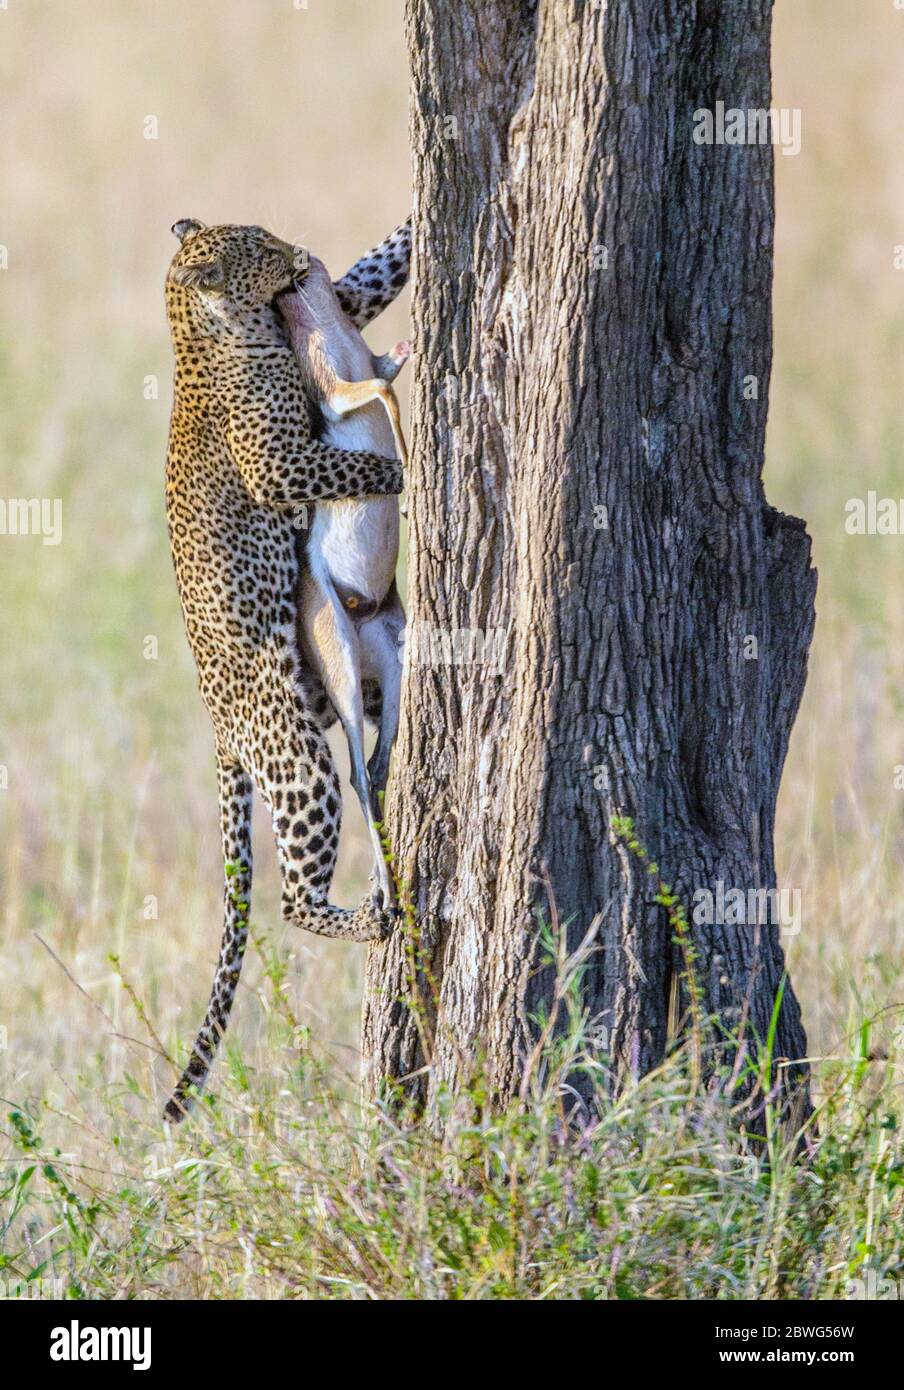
[592,299]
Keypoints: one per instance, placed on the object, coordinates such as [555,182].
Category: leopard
[244,466]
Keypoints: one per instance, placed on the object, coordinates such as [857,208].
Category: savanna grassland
[109,848]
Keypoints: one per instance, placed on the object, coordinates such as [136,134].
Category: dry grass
[835,432]
[297,119]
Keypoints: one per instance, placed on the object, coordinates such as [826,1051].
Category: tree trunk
[593,348]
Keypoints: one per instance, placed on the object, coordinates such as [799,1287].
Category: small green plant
[419,965]
[624,830]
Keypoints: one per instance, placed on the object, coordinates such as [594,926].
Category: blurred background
[296,118]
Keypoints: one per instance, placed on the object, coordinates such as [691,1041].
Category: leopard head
[231,274]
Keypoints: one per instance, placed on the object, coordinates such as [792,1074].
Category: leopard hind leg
[296,776]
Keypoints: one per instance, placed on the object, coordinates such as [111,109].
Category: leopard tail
[235,819]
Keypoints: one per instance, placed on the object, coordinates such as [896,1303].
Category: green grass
[282,1185]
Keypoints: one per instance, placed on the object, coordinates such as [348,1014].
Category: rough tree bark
[592,299]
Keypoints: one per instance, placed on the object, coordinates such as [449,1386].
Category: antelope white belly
[357,539]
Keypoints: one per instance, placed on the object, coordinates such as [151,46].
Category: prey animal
[350,616]
[244,463]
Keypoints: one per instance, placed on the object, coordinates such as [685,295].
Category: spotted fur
[375,280]
[242,468]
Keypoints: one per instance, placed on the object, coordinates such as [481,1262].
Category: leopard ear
[206,276]
[186,227]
